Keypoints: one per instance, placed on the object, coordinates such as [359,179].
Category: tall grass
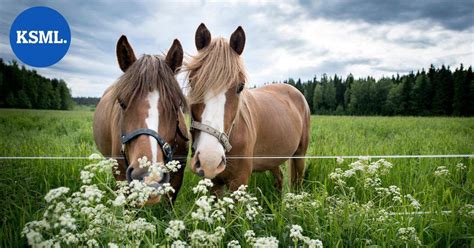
[23,183]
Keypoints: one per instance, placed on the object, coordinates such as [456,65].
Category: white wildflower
[408,235]
[364,158]
[95,156]
[413,202]
[120,200]
[233,244]
[165,189]
[441,171]
[178,244]
[339,160]
[250,237]
[467,211]
[296,233]
[461,166]
[112,245]
[266,242]
[172,166]
[349,173]
[314,243]
[174,229]
[56,193]
[143,162]
[202,187]
[86,177]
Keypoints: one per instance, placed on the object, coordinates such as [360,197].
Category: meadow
[402,202]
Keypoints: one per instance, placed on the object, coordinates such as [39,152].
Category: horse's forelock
[149,73]
[214,69]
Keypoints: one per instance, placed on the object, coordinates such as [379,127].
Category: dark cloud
[278,45]
[455,15]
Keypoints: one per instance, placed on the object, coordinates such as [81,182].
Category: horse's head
[150,101]
[217,78]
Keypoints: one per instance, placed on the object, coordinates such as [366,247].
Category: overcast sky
[297,39]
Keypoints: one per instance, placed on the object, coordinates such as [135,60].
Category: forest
[24,88]
[436,92]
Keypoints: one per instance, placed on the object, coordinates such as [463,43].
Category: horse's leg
[218,189]
[296,170]
[276,171]
[243,177]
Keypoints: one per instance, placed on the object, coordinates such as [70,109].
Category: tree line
[436,92]
[23,88]
[88,101]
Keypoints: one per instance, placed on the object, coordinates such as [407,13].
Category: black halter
[165,147]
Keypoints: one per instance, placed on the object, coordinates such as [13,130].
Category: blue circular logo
[40,36]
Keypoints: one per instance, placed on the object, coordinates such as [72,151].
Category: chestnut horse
[142,115]
[229,121]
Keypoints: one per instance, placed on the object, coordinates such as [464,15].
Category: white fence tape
[261,157]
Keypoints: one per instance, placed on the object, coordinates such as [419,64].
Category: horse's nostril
[201,173]
[129,174]
[198,164]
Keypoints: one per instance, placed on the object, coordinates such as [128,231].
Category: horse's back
[281,118]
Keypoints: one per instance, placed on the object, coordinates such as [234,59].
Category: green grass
[23,183]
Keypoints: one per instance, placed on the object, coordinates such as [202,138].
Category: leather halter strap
[220,136]
[165,147]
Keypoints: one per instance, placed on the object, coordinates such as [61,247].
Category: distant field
[23,183]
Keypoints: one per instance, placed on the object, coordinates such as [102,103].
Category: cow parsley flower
[461,166]
[178,244]
[86,177]
[339,160]
[408,235]
[120,200]
[55,193]
[112,245]
[249,236]
[165,189]
[143,162]
[413,202]
[202,187]
[174,229]
[296,233]
[172,166]
[233,244]
[266,242]
[441,171]
[95,156]
[314,243]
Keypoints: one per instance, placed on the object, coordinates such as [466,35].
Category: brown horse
[142,115]
[230,120]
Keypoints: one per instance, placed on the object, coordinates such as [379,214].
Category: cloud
[296,39]
[455,15]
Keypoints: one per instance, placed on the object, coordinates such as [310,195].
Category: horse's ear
[125,54]
[174,57]
[202,37]
[237,40]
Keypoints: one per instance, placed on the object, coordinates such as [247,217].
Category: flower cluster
[296,233]
[441,171]
[408,235]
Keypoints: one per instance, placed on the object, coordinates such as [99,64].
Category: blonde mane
[214,69]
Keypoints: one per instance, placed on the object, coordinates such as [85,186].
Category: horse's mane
[214,69]
[149,73]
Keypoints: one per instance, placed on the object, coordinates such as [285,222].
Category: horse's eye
[122,104]
[240,88]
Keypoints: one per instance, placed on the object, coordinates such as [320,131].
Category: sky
[298,39]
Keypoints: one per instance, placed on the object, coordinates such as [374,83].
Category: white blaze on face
[213,115]
[153,121]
